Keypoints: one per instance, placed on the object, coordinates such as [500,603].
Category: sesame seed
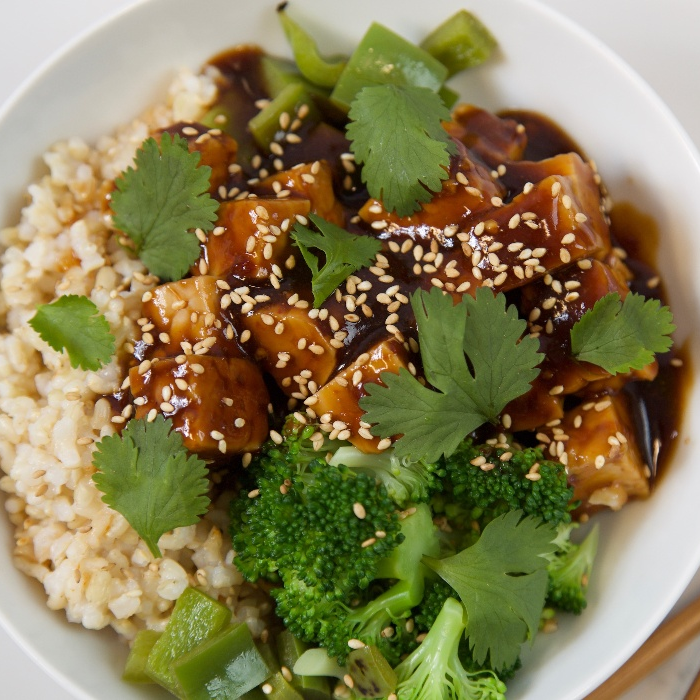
[384,444]
[356,644]
[369,542]
[556,188]
[599,462]
[359,510]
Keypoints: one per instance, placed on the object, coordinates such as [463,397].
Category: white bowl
[648,552]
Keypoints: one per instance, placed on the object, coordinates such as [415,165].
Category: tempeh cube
[293,344]
[539,231]
[251,237]
[495,139]
[603,461]
[337,401]
[467,192]
[312,181]
[186,316]
[217,404]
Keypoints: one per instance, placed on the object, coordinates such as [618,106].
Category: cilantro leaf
[345,254]
[501,367]
[147,475]
[620,336]
[74,324]
[396,132]
[157,205]
[502,582]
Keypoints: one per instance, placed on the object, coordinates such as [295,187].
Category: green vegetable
[345,254]
[502,364]
[74,324]
[316,662]
[384,58]
[135,668]
[396,133]
[311,65]
[371,674]
[307,535]
[622,336]
[195,618]
[569,569]
[279,73]
[147,475]
[406,481]
[434,669]
[483,494]
[161,201]
[225,666]
[502,582]
[289,650]
[460,42]
[265,125]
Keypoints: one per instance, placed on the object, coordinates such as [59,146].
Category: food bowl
[649,551]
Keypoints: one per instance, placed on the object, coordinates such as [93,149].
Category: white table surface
[657,38]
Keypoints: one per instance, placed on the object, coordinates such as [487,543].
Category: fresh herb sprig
[622,335]
[161,201]
[397,135]
[344,252]
[474,355]
[148,476]
[502,582]
[74,323]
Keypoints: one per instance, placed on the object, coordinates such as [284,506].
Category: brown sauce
[656,406]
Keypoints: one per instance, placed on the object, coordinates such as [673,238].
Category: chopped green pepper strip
[460,42]
[265,125]
[195,618]
[311,65]
[135,668]
[289,649]
[227,665]
[384,58]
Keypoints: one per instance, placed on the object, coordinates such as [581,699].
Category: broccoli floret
[314,529]
[434,669]
[488,480]
[327,534]
[406,481]
[569,569]
[381,621]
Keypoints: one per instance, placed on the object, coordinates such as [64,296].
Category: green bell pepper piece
[383,57]
[460,42]
[223,667]
[311,65]
[265,125]
[135,667]
[195,618]
[289,649]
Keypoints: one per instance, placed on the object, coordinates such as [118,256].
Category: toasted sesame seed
[599,462]
[356,644]
[369,542]
[359,510]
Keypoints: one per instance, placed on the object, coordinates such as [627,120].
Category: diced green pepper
[372,675]
[135,668]
[278,73]
[265,125]
[222,668]
[460,42]
[195,618]
[289,649]
[383,57]
[311,65]
[276,687]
